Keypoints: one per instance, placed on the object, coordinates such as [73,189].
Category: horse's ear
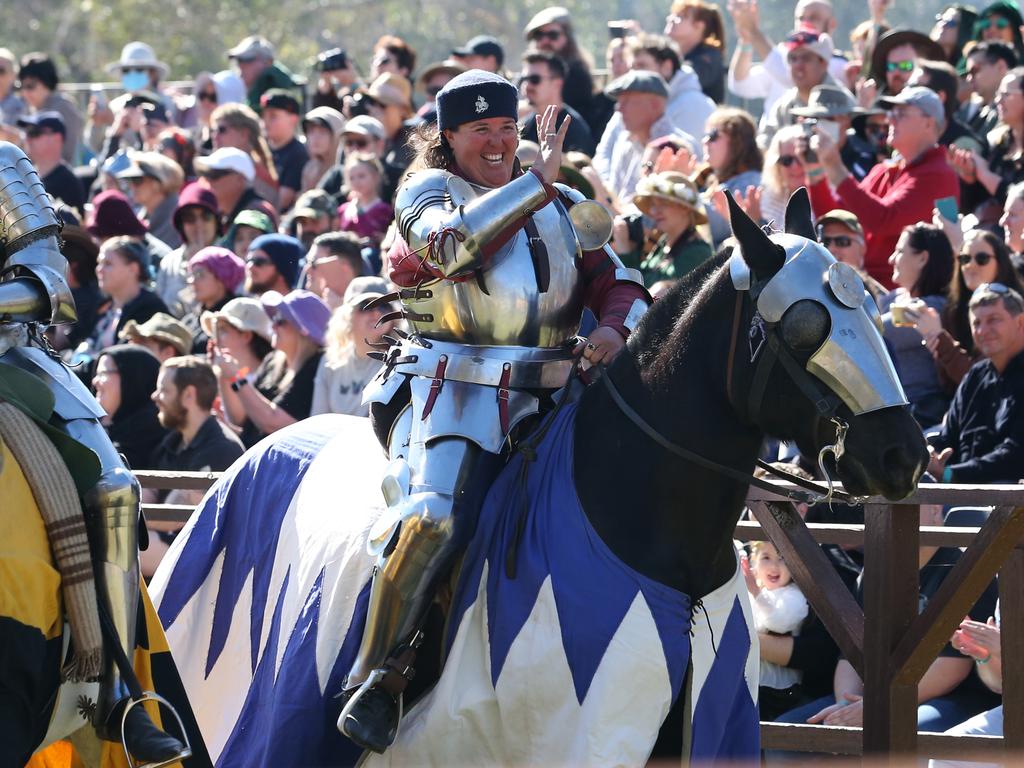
[798,215]
[764,257]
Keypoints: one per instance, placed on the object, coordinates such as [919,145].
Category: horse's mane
[648,342]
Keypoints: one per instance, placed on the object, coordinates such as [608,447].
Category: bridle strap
[737,313]
[694,458]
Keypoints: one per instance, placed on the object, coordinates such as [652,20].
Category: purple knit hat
[112,215]
[224,265]
[195,195]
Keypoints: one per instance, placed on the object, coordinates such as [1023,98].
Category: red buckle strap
[503,393]
[435,386]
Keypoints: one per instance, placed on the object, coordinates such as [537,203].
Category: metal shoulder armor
[33,282]
[451,221]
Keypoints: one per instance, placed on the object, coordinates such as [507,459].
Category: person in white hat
[229,173]
[140,73]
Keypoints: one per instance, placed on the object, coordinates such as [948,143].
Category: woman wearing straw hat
[672,201]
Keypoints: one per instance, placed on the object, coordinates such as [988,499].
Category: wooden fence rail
[887,642]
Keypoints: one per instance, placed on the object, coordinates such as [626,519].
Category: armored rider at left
[34,294]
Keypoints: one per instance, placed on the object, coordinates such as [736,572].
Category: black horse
[666,519]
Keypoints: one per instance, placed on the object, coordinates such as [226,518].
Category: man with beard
[272,264]
[197,442]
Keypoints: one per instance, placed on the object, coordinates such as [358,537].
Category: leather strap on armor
[539,255]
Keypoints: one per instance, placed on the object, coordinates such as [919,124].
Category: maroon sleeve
[609,299]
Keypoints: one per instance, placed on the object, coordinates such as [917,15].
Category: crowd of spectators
[225,242]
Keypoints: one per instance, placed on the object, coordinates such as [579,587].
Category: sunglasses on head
[533,79]
[994,21]
[259,261]
[787,160]
[208,96]
[839,241]
[981,259]
[907,65]
[1000,288]
[551,34]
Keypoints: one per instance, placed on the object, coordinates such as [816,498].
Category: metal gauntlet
[33,282]
[444,215]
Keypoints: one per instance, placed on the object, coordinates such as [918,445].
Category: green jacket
[674,261]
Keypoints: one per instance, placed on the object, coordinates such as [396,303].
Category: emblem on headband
[481,104]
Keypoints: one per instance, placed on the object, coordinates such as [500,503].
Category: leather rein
[813,492]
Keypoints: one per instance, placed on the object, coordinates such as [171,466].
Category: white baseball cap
[227,159]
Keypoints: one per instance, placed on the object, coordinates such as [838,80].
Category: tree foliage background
[192,35]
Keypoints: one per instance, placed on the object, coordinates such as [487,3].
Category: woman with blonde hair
[699,31]
[783,175]
[346,368]
[236,125]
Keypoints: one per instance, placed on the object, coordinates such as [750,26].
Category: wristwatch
[237,384]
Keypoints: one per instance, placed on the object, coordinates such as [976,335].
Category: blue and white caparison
[574,661]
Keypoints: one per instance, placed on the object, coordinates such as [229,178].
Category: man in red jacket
[894,194]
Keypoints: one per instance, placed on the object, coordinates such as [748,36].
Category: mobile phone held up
[946,206]
[616,30]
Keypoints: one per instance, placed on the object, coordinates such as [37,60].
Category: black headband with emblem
[475,95]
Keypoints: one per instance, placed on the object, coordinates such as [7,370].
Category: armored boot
[434,524]
[112,514]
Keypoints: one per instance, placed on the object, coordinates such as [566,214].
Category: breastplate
[502,305]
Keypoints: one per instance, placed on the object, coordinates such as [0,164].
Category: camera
[635,227]
[357,104]
[808,126]
[331,60]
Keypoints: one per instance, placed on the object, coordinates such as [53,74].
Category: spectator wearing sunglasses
[982,437]
[431,81]
[1012,223]
[198,225]
[272,264]
[44,144]
[953,29]
[153,182]
[551,30]
[362,135]
[235,125]
[229,173]
[983,258]
[1001,21]
[782,176]
[253,58]
[843,236]
[893,195]
[922,266]
[541,82]
[37,84]
[393,55]
[807,56]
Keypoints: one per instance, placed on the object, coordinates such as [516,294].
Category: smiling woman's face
[485,149]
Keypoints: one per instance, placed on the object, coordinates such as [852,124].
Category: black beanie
[475,95]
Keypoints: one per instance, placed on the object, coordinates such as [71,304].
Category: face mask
[134,81]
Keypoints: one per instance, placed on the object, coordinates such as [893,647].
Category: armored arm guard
[439,213]
[33,282]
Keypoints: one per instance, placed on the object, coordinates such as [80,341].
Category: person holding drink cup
[922,267]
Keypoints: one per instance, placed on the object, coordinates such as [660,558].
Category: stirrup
[151,696]
[375,677]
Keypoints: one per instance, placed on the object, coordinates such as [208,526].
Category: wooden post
[1011,616]
[891,589]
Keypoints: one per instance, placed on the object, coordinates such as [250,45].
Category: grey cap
[252,47]
[638,81]
[923,98]
[827,101]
